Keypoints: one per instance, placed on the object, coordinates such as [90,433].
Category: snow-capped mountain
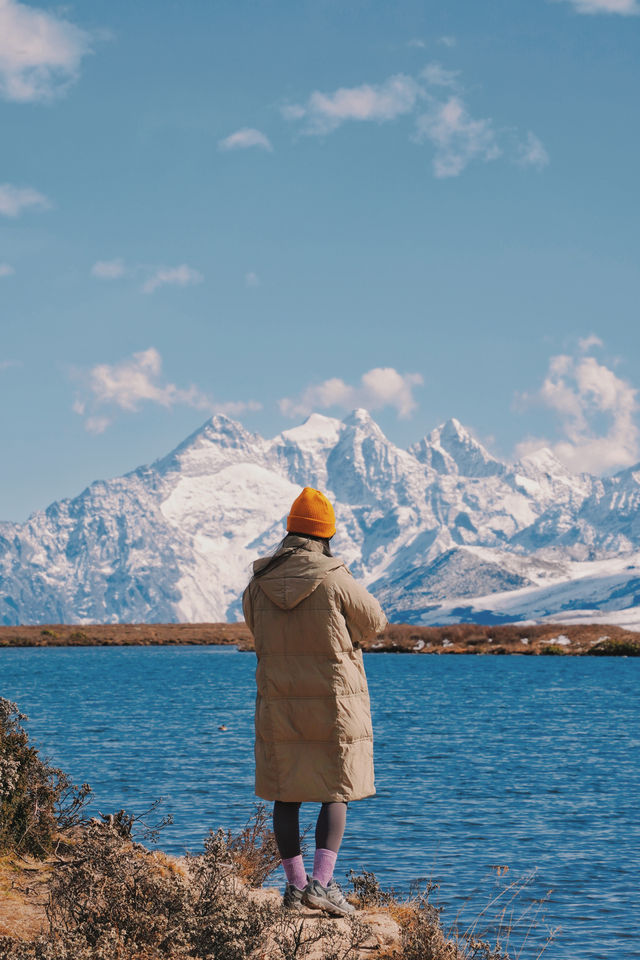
[440,532]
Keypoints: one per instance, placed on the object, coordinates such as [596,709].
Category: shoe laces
[334,885]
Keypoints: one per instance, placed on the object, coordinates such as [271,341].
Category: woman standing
[313,735]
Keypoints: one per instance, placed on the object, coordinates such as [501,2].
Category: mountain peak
[543,460]
[221,420]
[211,440]
[452,448]
[315,429]
[221,428]
[453,428]
[360,425]
[359,416]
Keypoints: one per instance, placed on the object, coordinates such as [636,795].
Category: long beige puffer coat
[313,734]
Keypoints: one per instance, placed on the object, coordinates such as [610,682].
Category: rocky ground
[23,894]
[524,639]
[24,890]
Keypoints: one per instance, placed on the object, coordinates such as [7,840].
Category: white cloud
[531,152]
[378,388]
[624,7]
[108,269]
[40,52]
[416,42]
[137,380]
[127,383]
[182,276]
[6,270]
[325,112]
[13,200]
[447,41]
[7,364]
[251,279]
[293,111]
[446,123]
[233,408]
[457,137]
[583,393]
[246,137]
[586,343]
[438,76]
[97,425]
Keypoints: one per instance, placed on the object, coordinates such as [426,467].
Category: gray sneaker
[329,898]
[292,896]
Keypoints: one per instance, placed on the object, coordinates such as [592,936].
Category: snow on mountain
[440,532]
[451,449]
[600,591]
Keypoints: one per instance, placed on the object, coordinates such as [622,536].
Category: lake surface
[529,762]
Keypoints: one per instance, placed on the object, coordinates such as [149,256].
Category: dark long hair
[277,557]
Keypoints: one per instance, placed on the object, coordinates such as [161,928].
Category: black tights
[329,827]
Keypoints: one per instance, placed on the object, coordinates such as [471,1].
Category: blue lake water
[529,762]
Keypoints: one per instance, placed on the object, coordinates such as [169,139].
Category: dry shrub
[498,916]
[113,883]
[110,947]
[227,924]
[36,799]
[254,849]
[111,898]
[616,647]
[368,892]
[423,936]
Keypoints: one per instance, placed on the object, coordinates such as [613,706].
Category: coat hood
[301,567]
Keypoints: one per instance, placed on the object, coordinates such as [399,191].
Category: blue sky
[266,208]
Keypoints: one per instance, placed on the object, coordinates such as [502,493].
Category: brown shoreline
[464,638]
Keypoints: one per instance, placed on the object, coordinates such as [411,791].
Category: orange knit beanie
[312,513]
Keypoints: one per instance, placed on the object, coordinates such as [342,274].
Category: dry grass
[472,638]
[107,897]
[513,638]
[254,849]
[502,930]
[123,634]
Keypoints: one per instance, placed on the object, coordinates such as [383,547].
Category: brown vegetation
[36,799]
[472,638]
[122,634]
[104,896]
[516,638]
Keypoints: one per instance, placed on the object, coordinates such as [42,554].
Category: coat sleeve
[362,612]
[247,607]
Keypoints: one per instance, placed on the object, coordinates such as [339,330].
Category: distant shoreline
[464,638]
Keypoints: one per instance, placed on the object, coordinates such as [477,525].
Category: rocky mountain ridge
[440,532]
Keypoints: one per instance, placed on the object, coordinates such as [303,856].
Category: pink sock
[294,871]
[323,864]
